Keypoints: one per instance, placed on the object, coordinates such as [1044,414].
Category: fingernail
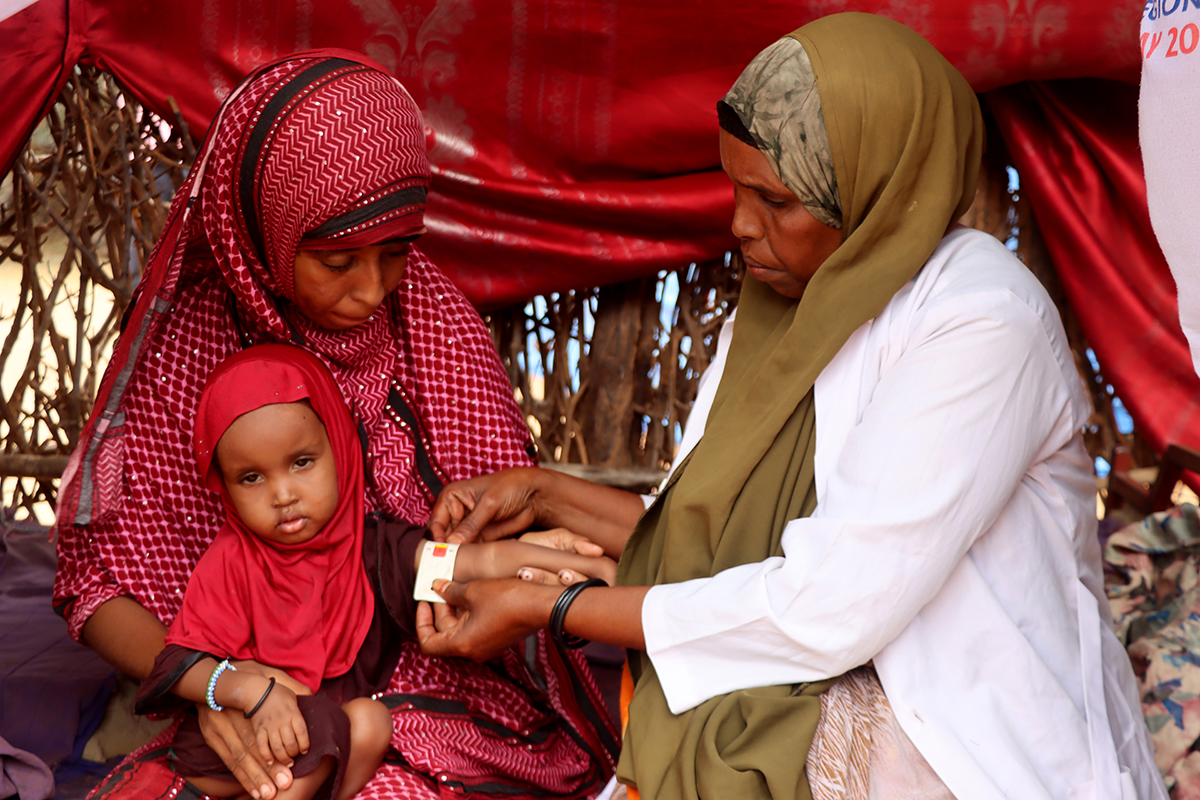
[566,576]
[524,574]
[439,584]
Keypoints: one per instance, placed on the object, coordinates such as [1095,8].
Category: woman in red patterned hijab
[296,225]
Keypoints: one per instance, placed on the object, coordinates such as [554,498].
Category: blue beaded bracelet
[212,684]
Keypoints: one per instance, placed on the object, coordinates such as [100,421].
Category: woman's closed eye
[343,261]
[338,264]
[769,201]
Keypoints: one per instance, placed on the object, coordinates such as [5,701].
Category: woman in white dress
[877,548]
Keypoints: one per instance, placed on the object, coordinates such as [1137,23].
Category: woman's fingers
[439,623]
[486,508]
[435,624]
[424,621]
[484,617]
[232,738]
[577,559]
[448,511]
[494,517]
[434,618]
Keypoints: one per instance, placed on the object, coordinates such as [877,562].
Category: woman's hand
[233,739]
[487,508]
[487,616]
[505,503]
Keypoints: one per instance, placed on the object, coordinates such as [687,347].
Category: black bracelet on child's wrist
[261,700]
[558,615]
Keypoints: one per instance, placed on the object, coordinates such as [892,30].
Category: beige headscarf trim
[777,100]
[906,137]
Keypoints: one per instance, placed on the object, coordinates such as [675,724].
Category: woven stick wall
[79,213]
[605,376]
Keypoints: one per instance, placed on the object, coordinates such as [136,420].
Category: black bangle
[261,700]
[558,614]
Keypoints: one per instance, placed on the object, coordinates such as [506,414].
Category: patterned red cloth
[134,517]
[304,607]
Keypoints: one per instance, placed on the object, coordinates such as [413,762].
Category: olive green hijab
[905,138]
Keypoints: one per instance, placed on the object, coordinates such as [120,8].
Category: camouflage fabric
[777,100]
[1154,590]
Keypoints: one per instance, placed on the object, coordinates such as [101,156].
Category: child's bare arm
[278,724]
[274,672]
[505,558]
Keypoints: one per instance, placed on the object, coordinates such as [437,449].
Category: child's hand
[603,567]
[569,542]
[565,540]
[279,726]
[507,558]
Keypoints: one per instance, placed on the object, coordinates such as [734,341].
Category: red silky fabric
[36,57]
[573,143]
[1075,145]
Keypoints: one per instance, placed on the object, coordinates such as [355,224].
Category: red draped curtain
[1075,146]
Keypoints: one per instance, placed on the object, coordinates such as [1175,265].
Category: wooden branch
[96,273]
[635,479]
[30,465]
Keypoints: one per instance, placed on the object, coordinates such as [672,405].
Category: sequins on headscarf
[776,99]
[313,144]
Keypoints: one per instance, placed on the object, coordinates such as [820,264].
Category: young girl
[298,593]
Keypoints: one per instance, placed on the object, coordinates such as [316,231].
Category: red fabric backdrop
[573,141]
[1075,145]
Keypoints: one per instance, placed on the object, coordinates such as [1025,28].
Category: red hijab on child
[306,607]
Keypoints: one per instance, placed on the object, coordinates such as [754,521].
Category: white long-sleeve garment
[954,542]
